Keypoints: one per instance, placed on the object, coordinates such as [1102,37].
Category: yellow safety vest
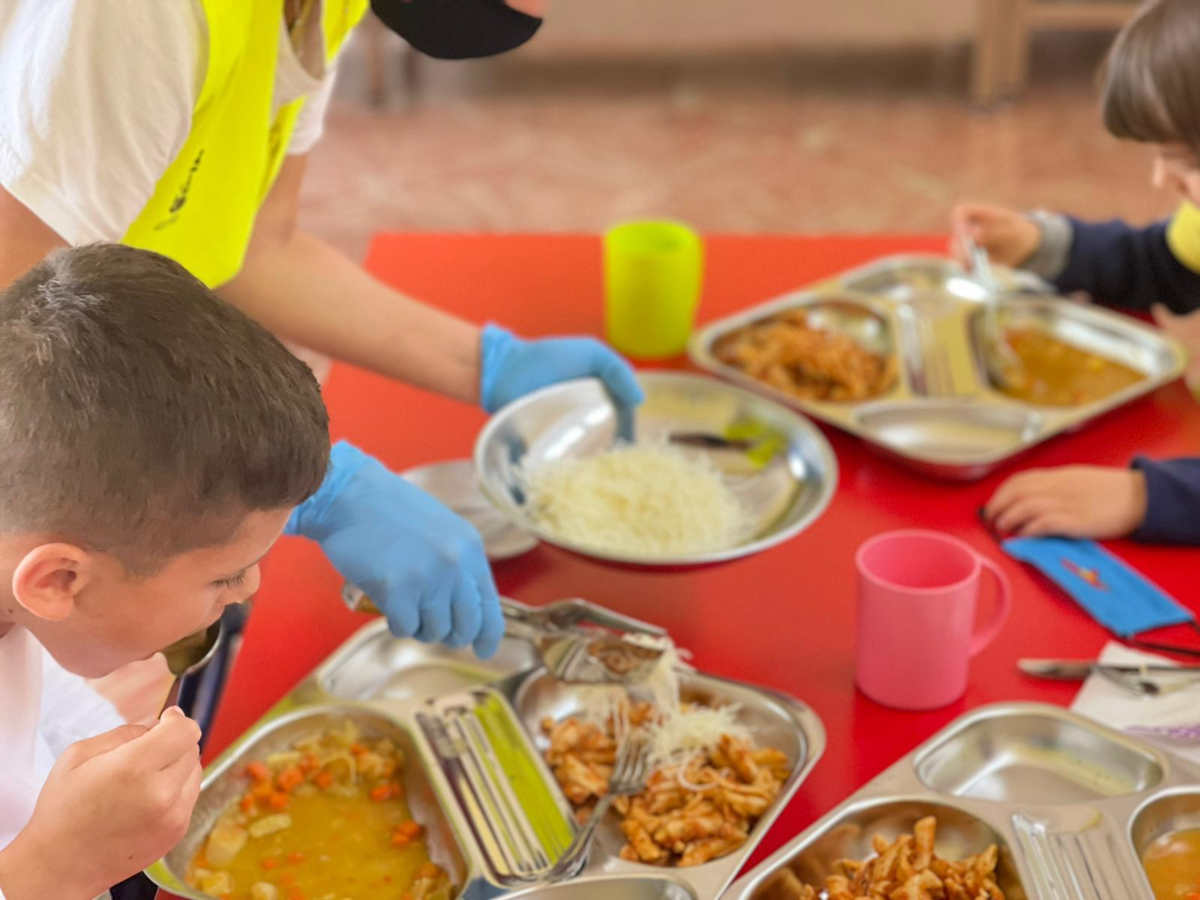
[204,206]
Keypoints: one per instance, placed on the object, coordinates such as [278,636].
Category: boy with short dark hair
[153,442]
[1151,93]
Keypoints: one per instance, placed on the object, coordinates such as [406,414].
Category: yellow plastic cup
[652,277]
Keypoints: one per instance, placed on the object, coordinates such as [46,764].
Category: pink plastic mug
[917,596]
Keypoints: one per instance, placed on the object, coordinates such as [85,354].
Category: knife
[1079,669]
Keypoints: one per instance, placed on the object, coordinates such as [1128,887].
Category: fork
[628,778]
[1144,687]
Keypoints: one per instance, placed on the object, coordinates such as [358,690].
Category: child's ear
[48,579]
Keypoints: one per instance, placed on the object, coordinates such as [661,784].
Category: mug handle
[984,636]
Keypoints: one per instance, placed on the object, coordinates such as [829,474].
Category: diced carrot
[400,840]
[358,749]
[278,801]
[289,779]
[287,879]
[407,897]
[323,780]
[295,895]
[262,791]
[382,792]
[258,771]
[296,856]
[246,803]
[270,863]
[309,763]
[410,828]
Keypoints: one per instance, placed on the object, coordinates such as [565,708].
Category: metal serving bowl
[785,491]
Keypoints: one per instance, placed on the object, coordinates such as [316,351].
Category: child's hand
[1009,237]
[1073,501]
[1186,330]
[112,805]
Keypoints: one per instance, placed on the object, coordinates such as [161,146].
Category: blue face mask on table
[1115,595]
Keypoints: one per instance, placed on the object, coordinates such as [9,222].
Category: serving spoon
[572,654]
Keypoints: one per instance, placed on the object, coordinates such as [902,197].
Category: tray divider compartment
[1071,864]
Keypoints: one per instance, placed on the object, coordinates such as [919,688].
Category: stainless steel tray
[1070,803]
[463,782]
[944,416]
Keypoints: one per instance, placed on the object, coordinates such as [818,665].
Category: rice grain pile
[642,500]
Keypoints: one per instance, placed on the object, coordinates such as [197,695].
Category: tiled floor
[827,142]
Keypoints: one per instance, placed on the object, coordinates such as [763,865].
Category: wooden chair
[1006,28]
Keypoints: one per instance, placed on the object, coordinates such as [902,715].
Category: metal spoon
[188,655]
[626,431]
[1002,363]
[571,654]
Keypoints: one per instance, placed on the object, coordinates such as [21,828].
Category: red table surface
[784,618]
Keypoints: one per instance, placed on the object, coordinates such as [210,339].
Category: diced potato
[218,884]
[264,891]
[370,765]
[270,825]
[224,843]
[282,760]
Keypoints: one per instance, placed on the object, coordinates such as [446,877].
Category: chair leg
[1020,44]
[988,63]
[412,69]
[374,39]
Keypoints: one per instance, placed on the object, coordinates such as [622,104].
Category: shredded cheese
[644,500]
[692,731]
[679,731]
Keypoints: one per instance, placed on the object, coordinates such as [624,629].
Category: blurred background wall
[656,26]
[734,115]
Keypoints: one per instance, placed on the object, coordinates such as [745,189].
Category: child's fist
[1008,237]
[1072,501]
[1186,330]
[111,806]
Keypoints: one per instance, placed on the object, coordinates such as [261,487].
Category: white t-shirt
[43,709]
[96,100]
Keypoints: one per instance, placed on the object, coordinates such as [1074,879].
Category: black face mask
[457,29]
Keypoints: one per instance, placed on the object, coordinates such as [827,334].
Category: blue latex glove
[422,565]
[510,368]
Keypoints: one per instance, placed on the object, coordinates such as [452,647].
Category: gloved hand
[510,368]
[422,565]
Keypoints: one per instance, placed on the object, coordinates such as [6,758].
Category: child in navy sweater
[1151,95]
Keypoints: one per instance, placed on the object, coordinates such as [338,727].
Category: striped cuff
[1054,253]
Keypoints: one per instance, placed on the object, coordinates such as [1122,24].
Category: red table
[784,618]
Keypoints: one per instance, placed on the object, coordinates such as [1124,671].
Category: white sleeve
[96,98]
[71,710]
[310,123]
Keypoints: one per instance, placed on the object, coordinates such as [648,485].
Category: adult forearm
[308,292]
